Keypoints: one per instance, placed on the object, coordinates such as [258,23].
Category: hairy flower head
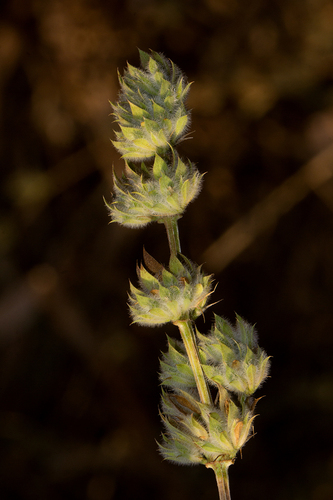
[146,194]
[233,358]
[151,109]
[169,295]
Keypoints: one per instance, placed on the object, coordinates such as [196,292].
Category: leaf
[159,314]
[181,125]
[144,58]
[226,445]
[159,112]
[145,145]
[210,448]
[168,278]
[173,200]
[151,125]
[159,139]
[184,192]
[185,369]
[152,65]
[167,124]
[138,112]
[181,169]
[251,373]
[164,183]
[175,266]
[175,309]
[148,280]
[152,264]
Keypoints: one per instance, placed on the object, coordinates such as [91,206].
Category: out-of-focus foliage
[79,386]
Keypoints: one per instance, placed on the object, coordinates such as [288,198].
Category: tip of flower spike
[144,58]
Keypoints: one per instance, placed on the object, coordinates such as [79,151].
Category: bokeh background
[79,388]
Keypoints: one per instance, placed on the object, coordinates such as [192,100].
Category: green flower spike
[145,194]
[180,293]
[207,381]
[151,108]
[233,358]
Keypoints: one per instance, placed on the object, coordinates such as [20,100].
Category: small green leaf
[151,125]
[174,308]
[152,65]
[138,112]
[173,200]
[148,280]
[251,373]
[181,169]
[169,102]
[159,139]
[145,145]
[144,301]
[159,112]
[168,278]
[144,58]
[181,125]
[175,266]
[185,369]
[164,183]
[159,166]
[211,448]
[233,413]
[167,125]
[226,445]
[131,133]
[159,313]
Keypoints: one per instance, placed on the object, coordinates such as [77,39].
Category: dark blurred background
[79,388]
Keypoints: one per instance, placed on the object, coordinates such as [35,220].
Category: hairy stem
[188,337]
[222,478]
[171,227]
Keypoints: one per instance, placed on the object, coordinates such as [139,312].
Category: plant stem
[188,337]
[185,326]
[222,478]
[171,227]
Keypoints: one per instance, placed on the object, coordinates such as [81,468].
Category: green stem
[171,227]
[222,478]
[188,337]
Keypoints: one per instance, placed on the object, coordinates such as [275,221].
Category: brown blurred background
[79,389]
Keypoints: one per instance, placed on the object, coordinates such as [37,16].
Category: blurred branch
[311,177]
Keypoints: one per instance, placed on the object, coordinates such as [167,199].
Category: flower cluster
[198,433]
[147,194]
[164,296]
[202,433]
[232,358]
[151,108]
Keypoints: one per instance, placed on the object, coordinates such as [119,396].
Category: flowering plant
[157,185]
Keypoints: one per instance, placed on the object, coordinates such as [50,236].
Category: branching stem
[222,478]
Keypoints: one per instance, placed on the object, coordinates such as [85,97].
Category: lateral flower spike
[151,110]
[146,194]
[176,372]
[169,295]
[233,358]
[198,433]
